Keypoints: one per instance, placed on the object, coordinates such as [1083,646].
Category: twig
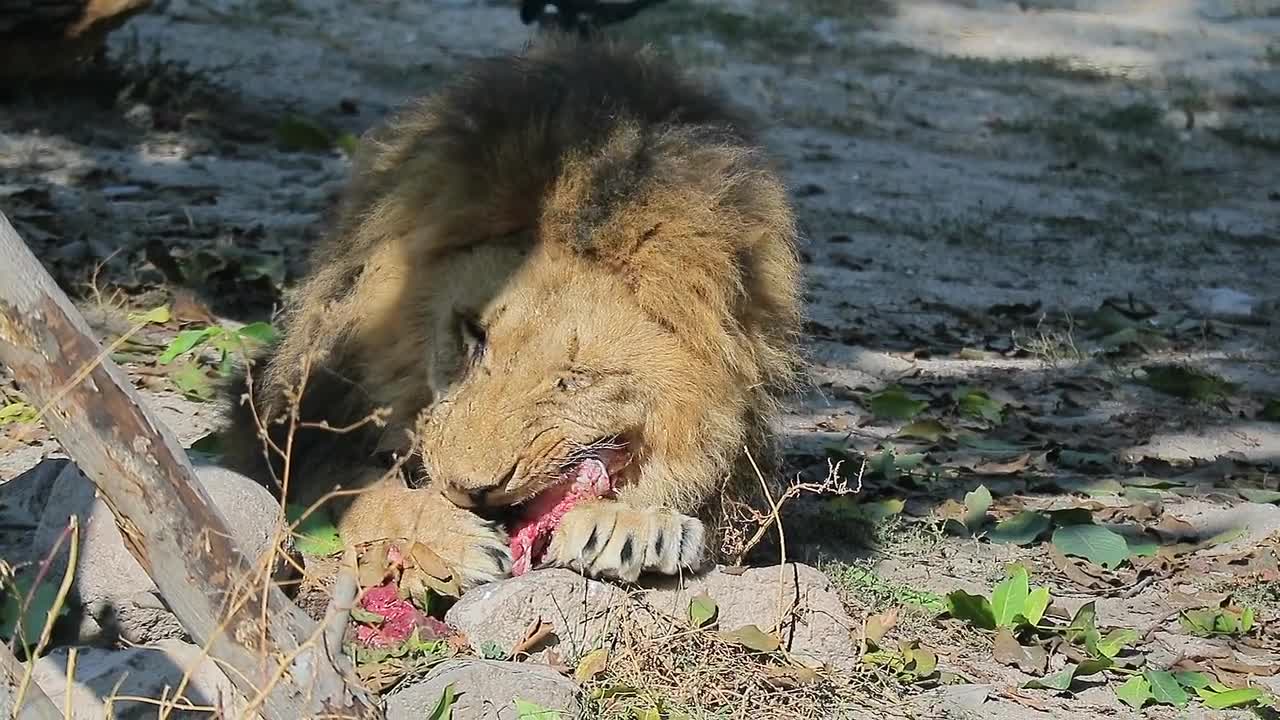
[346,587]
[776,516]
[72,553]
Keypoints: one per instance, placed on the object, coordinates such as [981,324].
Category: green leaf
[1021,529]
[192,381]
[157,315]
[37,612]
[1115,641]
[296,133]
[1246,620]
[444,706]
[359,614]
[1141,546]
[184,342]
[1198,622]
[1134,692]
[928,430]
[17,412]
[1258,495]
[1192,679]
[1186,383]
[315,534]
[1083,624]
[526,710]
[753,638]
[1037,603]
[259,332]
[702,609]
[1009,598]
[1095,543]
[492,650]
[1233,698]
[1060,681]
[976,504]
[979,404]
[348,143]
[893,403]
[972,608]
[1165,688]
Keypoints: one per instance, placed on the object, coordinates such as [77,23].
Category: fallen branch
[166,518]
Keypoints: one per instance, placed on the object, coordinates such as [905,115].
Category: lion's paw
[476,549]
[617,541]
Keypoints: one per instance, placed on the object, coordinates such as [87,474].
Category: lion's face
[554,367]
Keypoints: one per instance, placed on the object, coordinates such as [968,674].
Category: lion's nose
[467,494]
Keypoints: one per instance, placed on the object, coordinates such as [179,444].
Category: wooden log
[167,519]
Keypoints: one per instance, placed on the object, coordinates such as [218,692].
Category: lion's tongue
[532,530]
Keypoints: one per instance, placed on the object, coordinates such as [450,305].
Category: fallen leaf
[534,633]
[929,430]
[1016,465]
[893,403]
[974,609]
[976,504]
[791,677]
[591,665]
[878,625]
[1186,383]
[1134,692]
[702,610]
[1029,659]
[314,534]
[1021,529]
[979,404]
[1258,495]
[1165,688]
[526,710]
[1093,542]
[753,638]
[1068,567]
[1232,698]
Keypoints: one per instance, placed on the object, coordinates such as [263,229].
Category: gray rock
[486,690]
[118,597]
[582,610]
[152,671]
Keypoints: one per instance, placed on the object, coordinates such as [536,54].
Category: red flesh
[532,531]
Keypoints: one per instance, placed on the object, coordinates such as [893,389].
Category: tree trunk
[168,521]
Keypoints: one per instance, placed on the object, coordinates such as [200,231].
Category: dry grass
[657,663]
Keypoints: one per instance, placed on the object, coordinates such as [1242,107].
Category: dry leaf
[878,625]
[557,663]
[535,633]
[1017,464]
[789,678]
[1073,571]
[591,665]
[1030,659]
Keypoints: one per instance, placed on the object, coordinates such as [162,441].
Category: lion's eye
[573,380]
[473,337]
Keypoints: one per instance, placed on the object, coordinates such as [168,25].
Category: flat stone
[816,627]
[149,671]
[117,596]
[486,690]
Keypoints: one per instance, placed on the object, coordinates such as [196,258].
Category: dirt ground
[1042,251]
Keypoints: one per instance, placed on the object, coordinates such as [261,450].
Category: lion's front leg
[611,539]
[477,549]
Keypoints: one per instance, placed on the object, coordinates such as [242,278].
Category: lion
[571,280]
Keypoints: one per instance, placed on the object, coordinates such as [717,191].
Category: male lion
[574,275]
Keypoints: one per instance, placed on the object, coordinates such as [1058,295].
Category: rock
[486,690]
[110,586]
[581,610]
[1224,303]
[501,612]
[152,671]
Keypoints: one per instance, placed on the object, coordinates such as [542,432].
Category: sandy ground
[974,179]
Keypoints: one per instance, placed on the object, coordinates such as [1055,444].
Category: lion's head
[646,323]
